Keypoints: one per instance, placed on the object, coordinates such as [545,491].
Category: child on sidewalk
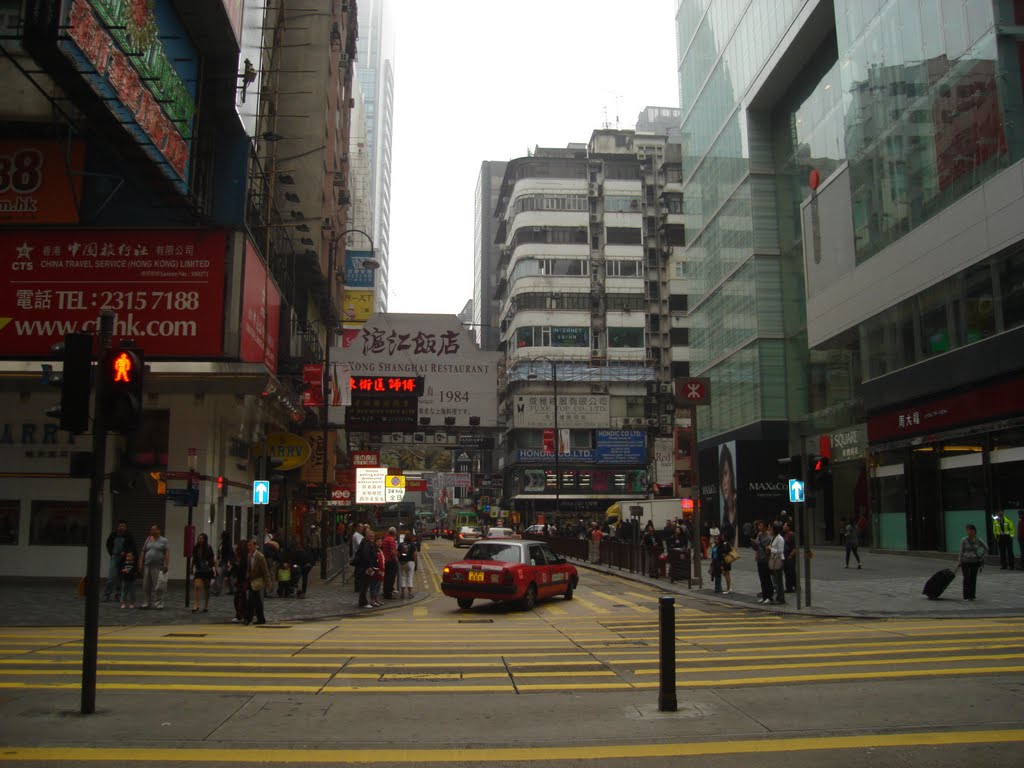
[127,572]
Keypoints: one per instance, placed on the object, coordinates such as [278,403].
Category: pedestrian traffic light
[818,470]
[122,370]
[75,382]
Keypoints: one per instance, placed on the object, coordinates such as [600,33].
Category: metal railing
[623,555]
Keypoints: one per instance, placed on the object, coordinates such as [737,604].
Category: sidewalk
[888,585]
[54,602]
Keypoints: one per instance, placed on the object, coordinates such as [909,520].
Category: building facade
[375,68]
[485,254]
[853,186]
[587,238]
[170,184]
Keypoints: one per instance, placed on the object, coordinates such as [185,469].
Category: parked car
[466,536]
[509,570]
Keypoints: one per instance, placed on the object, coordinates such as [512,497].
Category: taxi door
[558,570]
[540,571]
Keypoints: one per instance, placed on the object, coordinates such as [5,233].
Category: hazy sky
[483,80]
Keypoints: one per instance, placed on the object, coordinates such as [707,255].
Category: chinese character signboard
[313,383]
[357,307]
[143,71]
[459,381]
[365,459]
[408,386]
[261,313]
[313,470]
[370,413]
[574,411]
[165,288]
[371,483]
[42,183]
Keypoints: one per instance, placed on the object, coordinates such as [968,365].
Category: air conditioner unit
[594,218]
[652,387]
[593,189]
[652,422]
[665,421]
[665,388]
[638,421]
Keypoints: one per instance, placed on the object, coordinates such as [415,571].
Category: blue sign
[356,275]
[260,491]
[796,491]
[628,446]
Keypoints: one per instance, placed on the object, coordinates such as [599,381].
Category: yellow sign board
[292,450]
[357,306]
[394,488]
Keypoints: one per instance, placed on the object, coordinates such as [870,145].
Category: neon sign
[149,98]
[386,385]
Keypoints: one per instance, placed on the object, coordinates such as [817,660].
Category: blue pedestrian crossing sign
[260,491]
[796,491]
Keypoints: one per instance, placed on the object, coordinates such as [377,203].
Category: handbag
[731,557]
[257,584]
[775,563]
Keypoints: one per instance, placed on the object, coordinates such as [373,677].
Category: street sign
[693,391]
[260,491]
[183,497]
[796,491]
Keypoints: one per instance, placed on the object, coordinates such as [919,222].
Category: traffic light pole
[805,536]
[90,639]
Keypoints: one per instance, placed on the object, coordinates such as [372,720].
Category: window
[10,519]
[623,236]
[621,204]
[626,337]
[59,523]
[553,336]
[622,268]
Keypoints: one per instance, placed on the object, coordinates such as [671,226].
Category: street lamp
[554,386]
[332,265]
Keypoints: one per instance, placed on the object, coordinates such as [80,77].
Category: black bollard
[667,641]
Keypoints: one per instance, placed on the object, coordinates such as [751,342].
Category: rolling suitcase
[937,584]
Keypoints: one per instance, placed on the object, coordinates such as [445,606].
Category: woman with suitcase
[972,557]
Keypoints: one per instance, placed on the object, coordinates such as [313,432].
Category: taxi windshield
[504,553]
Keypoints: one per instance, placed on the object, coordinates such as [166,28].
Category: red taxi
[509,570]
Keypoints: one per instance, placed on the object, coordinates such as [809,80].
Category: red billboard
[261,313]
[40,181]
[165,288]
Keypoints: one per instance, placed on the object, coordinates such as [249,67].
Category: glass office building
[855,201]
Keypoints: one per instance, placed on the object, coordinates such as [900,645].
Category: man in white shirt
[356,540]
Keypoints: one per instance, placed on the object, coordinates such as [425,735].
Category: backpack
[404,552]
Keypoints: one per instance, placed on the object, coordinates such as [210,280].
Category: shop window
[10,520]
[1011,289]
[59,524]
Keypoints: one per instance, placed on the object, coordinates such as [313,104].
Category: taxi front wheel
[568,591]
[465,602]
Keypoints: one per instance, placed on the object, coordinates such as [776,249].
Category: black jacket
[129,544]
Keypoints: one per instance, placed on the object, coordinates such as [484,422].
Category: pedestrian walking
[761,544]
[358,574]
[203,568]
[365,558]
[789,566]
[376,572]
[156,560]
[971,560]
[776,560]
[225,554]
[715,561]
[128,570]
[119,542]
[851,537]
[389,546]
[302,559]
[259,577]
[727,554]
[1002,533]
[652,547]
[406,565]
[1020,536]
[240,576]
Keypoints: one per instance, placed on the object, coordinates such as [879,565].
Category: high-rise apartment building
[375,69]
[587,235]
[853,189]
[485,255]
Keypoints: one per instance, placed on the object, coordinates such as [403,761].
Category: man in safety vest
[1002,530]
